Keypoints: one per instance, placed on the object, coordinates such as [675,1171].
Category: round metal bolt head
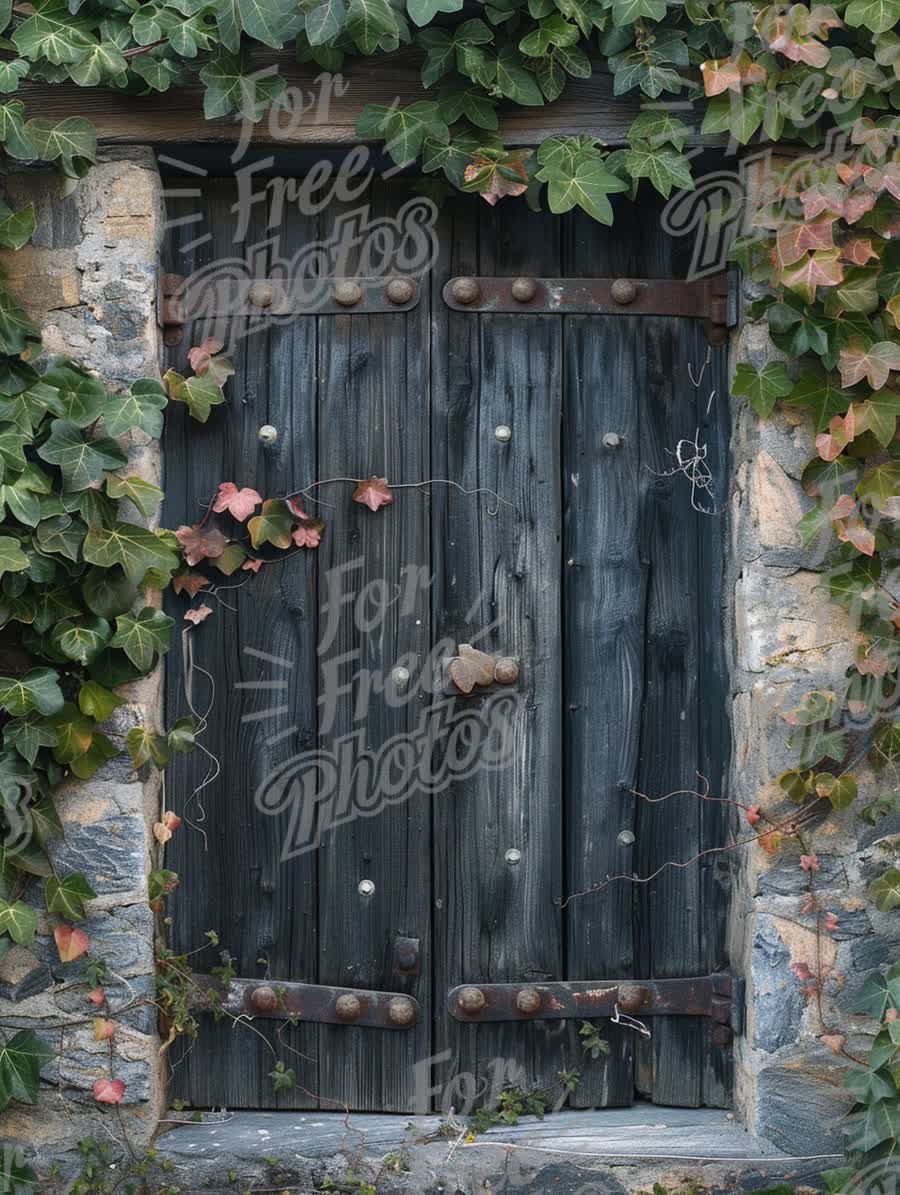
[502,433]
[400,676]
[523,289]
[625,838]
[528,1001]
[347,294]
[623,291]
[267,434]
[264,999]
[466,290]
[612,440]
[366,888]
[513,856]
[400,290]
[471,1000]
[632,997]
[347,1008]
[401,1011]
[261,294]
[506,671]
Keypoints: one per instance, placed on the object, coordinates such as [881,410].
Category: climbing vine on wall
[79,575]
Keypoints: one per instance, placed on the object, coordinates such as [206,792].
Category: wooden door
[573,544]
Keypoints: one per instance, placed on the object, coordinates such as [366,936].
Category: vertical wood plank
[499,578]
[374,419]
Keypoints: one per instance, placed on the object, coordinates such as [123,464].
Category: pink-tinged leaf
[809,904]
[803,973]
[870,661]
[201,543]
[109,1091]
[843,508]
[818,269]
[856,206]
[822,17]
[70,943]
[872,362]
[858,251]
[252,566]
[161,833]
[103,1029]
[840,432]
[877,140]
[307,535]
[893,309]
[883,178]
[753,814]
[171,819]
[198,615]
[855,532]
[201,354]
[834,1041]
[373,493]
[189,583]
[891,1016]
[721,74]
[494,179]
[97,996]
[809,862]
[771,842]
[823,197]
[239,503]
[296,508]
[851,171]
[796,239]
[797,49]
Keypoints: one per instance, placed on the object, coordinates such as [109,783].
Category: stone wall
[788,638]
[89,278]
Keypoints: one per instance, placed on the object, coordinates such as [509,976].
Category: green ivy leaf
[325,21]
[11,74]
[885,891]
[141,407]
[200,394]
[819,392]
[142,635]
[880,485]
[144,746]
[423,11]
[37,690]
[658,128]
[230,89]
[82,461]
[878,15]
[181,738]
[879,993]
[108,592]
[63,535]
[71,141]
[21,1059]
[664,167]
[67,895]
[145,496]
[136,549]
[16,228]
[51,33]
[12,558]
[370,21]
[80,396]
[583,182]
[15,139]
[273,526]
[515,82]
[16,328]
[96,702]
[763,386]
[626,12]
[101,63]
[28,735]
[19,921]
[841,791]
[81,640]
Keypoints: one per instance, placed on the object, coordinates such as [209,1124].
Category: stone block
[777,1002]
[43,280]
[800,1101]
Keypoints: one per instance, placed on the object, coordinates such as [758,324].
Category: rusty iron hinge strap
[308,1002]
[702,298]
[718,997]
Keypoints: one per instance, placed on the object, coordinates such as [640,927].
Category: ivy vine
[80,576]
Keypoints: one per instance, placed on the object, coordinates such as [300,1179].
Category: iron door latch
[719,997]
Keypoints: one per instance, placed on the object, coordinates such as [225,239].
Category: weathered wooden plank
[603,611]
[668,905]
[374,419]
[323,109]
[499,580]
[263,910]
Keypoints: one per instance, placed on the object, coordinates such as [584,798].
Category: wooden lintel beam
[319,115]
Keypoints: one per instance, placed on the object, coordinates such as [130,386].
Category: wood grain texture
[176,117]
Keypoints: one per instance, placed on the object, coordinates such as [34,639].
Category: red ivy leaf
[308,535]
[753,814]
[201,543]
[829,921]
[103,1029]
[855,531]
[803,973]
[818,269]
[109,1091]
[201,355]
[720,74]
[771,842]
[834,1041]
[239,503]
[858,251]
[373,493]
[190,583]
[494,179]
[198,615]
[252,566]
[70,943]
[873,362]
[809,862]
[97,996]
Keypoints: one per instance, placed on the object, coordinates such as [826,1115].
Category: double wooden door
[552,524]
